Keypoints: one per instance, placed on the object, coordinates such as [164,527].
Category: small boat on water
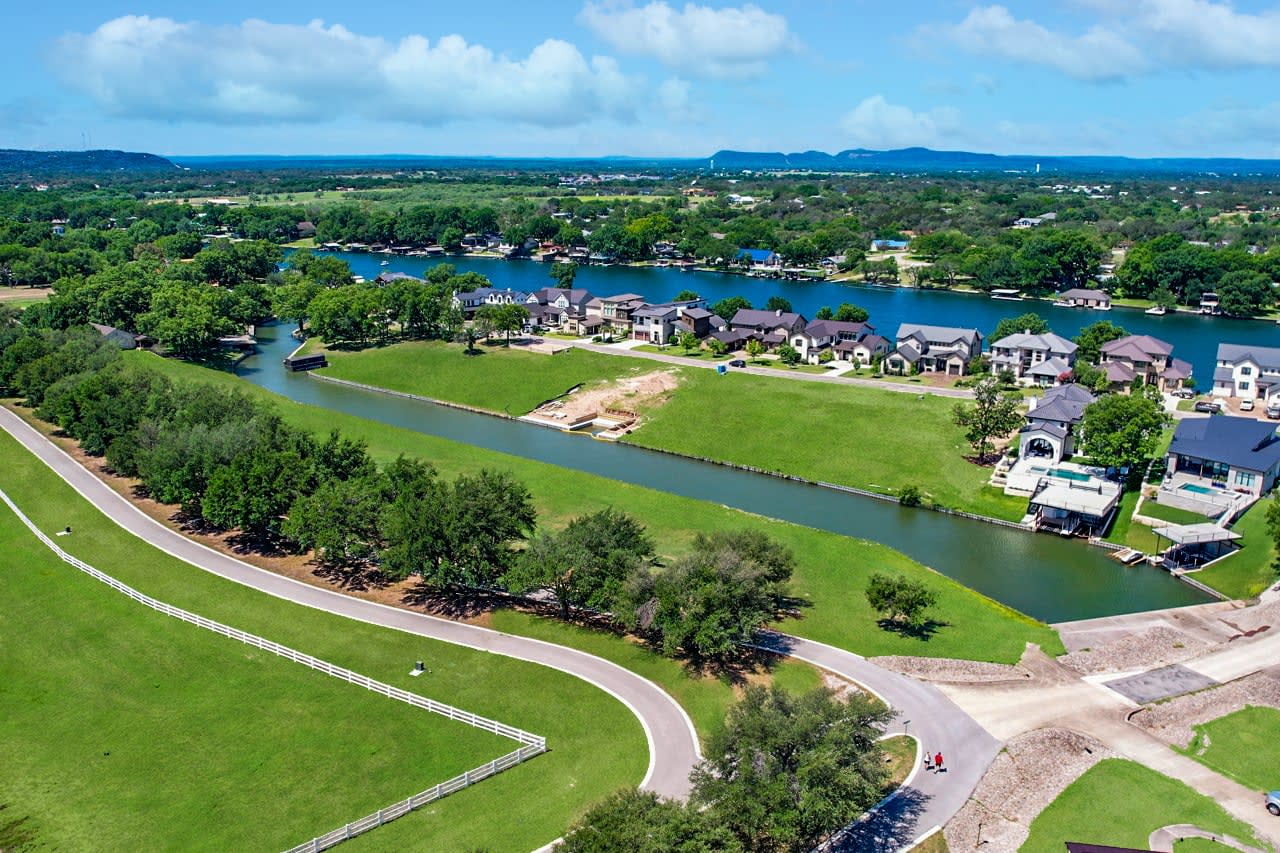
[1009,293]
[385,263]
[1129,556]
[1156,310]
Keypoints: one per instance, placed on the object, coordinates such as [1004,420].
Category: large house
[1247,372]
[616,311]
[1053,424]
[772,328]
[759,259]
[1078,297]
[1034,359]
[659,324]
[1133,357]
[563,309]
[846,341]
[934,349]
[1222,453]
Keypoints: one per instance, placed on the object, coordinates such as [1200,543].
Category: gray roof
[1048,342]
[1053,367]
[1177,369]
[698,313]
[1222,374]
[1267,358]
[1239,442]
[766,319]
[831,328]
[658,311]
[1054,429]
[1063,405]
[945,334]
[1083,293]
[908,352]
[1137,347]
[1077,393]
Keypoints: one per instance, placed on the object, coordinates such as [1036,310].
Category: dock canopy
[1195,534]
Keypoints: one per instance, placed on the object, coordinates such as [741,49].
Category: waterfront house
[616,311]
[1070,502]
[933,349]
[700,321]
[1053,424]
[468,300]
[506,296]
[1210,304]
[1247,372]
[119,337]
[864,350]
[389,277]
[820,336]
[759,259]
[1224,452]
[304,229]
[773,328]
[1034,359]
[1142,357]
[564,309]
[1079,297]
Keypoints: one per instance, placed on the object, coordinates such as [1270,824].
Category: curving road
[927,801]
[673,743]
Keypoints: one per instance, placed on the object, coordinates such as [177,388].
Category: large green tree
[992,414]
[1092,337]
[634,821]
[1123,430]
[1030,322]
[786,771]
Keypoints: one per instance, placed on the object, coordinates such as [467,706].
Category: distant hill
[52,164]
[928,160]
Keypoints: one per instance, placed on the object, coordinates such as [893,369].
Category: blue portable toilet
[722,369]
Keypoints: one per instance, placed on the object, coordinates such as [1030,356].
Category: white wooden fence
[530,744]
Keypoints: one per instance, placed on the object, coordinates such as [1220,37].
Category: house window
[1245,478]
[1244,386]
[1246,371]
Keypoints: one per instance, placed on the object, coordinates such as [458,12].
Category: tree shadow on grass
[454,603]
[357,577]
[916,631]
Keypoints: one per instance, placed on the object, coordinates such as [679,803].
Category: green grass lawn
[1253,568]
[499,379]
[705,355]
[864,437]
[1244,746]
[596,744]
[1200,845]
[832,570]
[1172,514]
[105,697]
[1119,803]
[705,697]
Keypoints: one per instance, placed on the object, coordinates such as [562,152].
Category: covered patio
[1193,546]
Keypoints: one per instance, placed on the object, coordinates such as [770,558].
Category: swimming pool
[1199,490]
[1078,476]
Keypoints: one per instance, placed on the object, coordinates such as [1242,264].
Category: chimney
[777,312]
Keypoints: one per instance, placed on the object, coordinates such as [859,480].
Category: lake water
[1045,576]
[1194,338]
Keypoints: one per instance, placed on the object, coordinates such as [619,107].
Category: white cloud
[876,123]
[1098,54]
[256,71]
[728,42]
[1212,35]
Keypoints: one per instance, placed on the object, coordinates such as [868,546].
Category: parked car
[1246,405]
[737,362]
[1184,393]
[1273,803]
[1208,406]
[1273,411]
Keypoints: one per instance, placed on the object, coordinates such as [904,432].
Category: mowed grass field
[1244,746]
[1119,803]
[1253,568]
[863,437]
[497,378]
[191,719]
[831,573]
[852,436]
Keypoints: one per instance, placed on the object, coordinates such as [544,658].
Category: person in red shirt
[937,762]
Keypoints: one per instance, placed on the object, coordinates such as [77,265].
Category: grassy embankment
[852,436]
[831,573]
[1244,746]
[1120,803]
[254,750]
[21,297]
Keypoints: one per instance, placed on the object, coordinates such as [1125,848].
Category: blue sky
[599,77]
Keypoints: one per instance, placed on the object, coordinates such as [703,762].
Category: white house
[1247,372]
[1034,359]
[1053,424]
[822,335]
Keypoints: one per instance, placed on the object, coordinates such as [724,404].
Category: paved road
[928,801]
[673,744]
[959,393]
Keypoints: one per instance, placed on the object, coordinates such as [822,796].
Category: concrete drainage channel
[530,744]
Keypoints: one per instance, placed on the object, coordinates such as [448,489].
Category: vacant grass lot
[1119,803]
[596,744]
[1172,514]
[864,437]
[105,697]
[1244,746]
[1253,568]
[832,570]
[498,378]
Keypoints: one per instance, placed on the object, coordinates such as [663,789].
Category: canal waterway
[1195,338]
[1047,577]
